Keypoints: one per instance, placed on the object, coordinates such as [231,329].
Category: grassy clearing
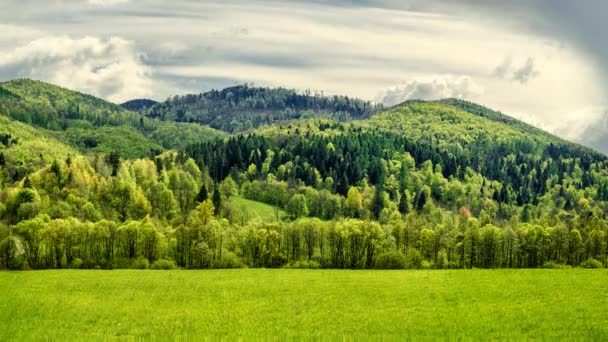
[254,209]
[482,304]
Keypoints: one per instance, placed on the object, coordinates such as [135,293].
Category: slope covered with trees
[93,125]
[422,185]
[241,108]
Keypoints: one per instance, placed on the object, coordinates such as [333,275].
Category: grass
[480,304]
[252,209]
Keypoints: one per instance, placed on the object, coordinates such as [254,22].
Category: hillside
[91,125]
[440,184]
[242,108]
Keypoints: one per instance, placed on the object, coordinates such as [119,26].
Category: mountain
[242,108]
[138,104]
[343,184]
[89,124]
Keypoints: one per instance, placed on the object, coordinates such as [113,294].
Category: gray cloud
[521,74]
[503,68]
[526,72]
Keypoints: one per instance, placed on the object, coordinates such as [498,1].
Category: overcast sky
[543,61]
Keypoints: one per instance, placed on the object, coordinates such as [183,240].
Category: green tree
[217,201]
[202,194]
[377,202]
[297,206]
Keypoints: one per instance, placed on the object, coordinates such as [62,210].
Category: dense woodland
[446,184]
[242,108]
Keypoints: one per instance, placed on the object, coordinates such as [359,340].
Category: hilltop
[243,107]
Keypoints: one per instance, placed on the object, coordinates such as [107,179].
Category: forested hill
[243,107]
[488,113]
[440,184]
[48,106]
[86,123]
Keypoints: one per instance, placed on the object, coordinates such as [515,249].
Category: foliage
[423,185]
[243,107]
[391,261]
[163,264]
[591,263]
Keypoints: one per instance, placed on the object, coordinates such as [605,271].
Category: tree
[56,169]
[404,203]
[354,202]
[574,245]
[423,198]
[114,160]
[297,206]
[217,201]
[2,159]
[202,194]
[526,214]
[377,202]
[205,212]
[229,188]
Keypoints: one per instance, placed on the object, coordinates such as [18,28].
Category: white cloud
[107,68]
[435,88]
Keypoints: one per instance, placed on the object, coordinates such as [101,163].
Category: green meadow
[480,304]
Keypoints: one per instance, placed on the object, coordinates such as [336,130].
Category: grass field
[253,209]
[483,304]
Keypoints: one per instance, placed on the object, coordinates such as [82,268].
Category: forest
[245,107]
[423,185]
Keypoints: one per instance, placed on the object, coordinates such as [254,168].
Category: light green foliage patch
[254,209]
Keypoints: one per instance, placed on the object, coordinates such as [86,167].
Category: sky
[542,61]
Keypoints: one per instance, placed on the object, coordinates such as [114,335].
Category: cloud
[439,87]
[107,68]
[503,68]
[591,131]
[522,74]
[106,2]
[526,72]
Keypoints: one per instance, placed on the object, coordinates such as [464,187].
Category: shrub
[390,261]
[163,264]
[426,265]
[414,258]
[323,261]
[140,263]
[76,263]
[592,263]
[304,264]
[228,260]
[554,265]
[121,263]
[442,260]
[277,261]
